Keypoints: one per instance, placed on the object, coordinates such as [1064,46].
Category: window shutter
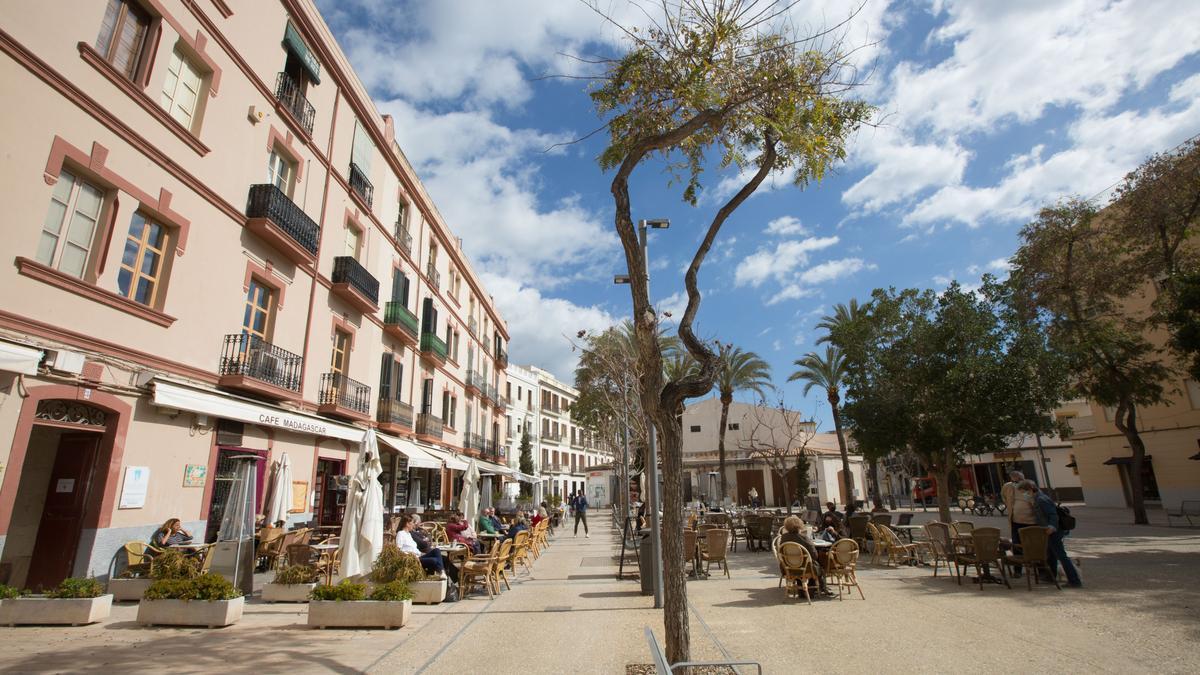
[385,377]
[427,397]
[398,381]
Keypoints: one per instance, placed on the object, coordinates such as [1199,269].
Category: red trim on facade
[267,277]
[223,8]
[286,141]
[53,277]
[98,512]
[206,499]
[345,326]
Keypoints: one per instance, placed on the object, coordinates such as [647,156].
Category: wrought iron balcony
[360,184]
[502,359]
[404,237]
[355,284]
[400,322]
[390,412]
[472,324]
[289,94]
[278,221]
[474,441]
[435,279]
[252,364]
[344,397]
[433,347]
[551,437]
[428,425]
[474,382]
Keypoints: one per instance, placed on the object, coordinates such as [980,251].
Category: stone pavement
[1138,613]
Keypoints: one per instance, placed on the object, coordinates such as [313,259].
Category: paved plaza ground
[1139,612]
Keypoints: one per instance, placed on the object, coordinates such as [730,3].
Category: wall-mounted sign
[194,475]
[65,485]
[299,496]
[133,490]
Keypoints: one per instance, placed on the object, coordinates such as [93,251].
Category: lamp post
[652,470]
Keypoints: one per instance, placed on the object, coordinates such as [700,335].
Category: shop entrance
[61,522]
[223,475]
[332,485]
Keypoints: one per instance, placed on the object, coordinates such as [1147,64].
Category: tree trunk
[942,476]
[675,609]
[721,445]
[876,495]
[847,480]
[1126,422]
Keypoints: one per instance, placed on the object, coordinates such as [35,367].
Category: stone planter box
[286,592]
[210,613]
[125,590]
[428,592]
[358,614]
[57,611]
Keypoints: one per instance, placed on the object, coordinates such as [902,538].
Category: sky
[986,111]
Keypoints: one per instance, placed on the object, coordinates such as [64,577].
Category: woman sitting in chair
[793,531]
[461,532]
[170,534]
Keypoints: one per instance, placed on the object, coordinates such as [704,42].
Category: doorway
[332,485]
[750,478]
[1149,482]
[66,495]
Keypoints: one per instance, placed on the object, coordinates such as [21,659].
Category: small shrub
[167,589]
[392,592]
[211,586]
[75,587]
[7,592]
[172,564]
[347,591]
[396,565]
[297,574]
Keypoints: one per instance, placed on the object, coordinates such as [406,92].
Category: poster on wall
[299,496]
[194,475]
[133,490]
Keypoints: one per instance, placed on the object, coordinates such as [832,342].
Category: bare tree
[777,436]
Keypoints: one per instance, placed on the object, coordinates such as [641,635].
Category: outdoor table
[323,550]
[907,530]
[489,539]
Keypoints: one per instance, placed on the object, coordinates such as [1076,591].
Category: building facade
[218,249]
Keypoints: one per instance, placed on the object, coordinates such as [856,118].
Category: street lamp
[652,470]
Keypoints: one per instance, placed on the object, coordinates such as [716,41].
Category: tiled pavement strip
[1140,612]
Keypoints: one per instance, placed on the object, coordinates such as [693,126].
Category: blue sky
[987,110]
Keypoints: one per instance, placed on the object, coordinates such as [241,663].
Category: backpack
[1066,521]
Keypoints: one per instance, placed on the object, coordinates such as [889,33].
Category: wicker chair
[842,566]
[897,551]
[883,518]
[503,555]
[759,532]
[520,552]
[738,530]
[479,570]
[797,569]
[689,549]
[962,526]
[138,557]
[1033,556]
[716,544]
[858,529]
[879,544]
[941,548]
[985,552]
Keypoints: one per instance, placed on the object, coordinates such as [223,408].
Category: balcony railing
[268,201]
[428,425]
[472,324]
[396,314]
[435,279]
[490,392]
[551,437]
[551,409]
[342,392]
[432,344]
[502,359]
[289,94]
[404,237]
[360,184]
[475,381]
[474,441]
[253,357]
[347,270]
[391,411]
[555,468]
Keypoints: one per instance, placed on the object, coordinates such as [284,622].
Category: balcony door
[339,363]
[260,305]
[352,241]
[281,172]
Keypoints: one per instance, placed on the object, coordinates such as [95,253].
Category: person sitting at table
[518,524]
[793,531]
[457,529]
[486,524]
[831,510]
[832,529]
[536,518]
[431,558]
[170,534]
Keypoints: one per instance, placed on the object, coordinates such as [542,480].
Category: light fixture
[657,223]
[621,279]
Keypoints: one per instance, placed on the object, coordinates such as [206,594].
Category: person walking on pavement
[579,501]
[1046,512]
[1021,512]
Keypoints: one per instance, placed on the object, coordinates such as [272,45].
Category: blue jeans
[1058,553]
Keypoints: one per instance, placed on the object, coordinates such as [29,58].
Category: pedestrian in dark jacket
[581,506]
[1047,516]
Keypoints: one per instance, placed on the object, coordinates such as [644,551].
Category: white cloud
[786,226]
[999,265]
[791,292]
[832,270]
[541,328]
[674,304]
[787,255]
[901,167]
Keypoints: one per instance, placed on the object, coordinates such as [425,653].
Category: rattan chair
[503,556]
[898,552]
[1033,556]
[858,529]
[520,552]
[842,566]
[138,557]
[883,518]
[716,544]
[689,549]
[479,570]
[797,569]
[985,552]
[962,526]
[738,530]
[941,548]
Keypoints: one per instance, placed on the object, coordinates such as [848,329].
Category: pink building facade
[217,248]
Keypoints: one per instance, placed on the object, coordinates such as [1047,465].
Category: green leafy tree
[827,372]
[737,371]
[711,81]
[526,462]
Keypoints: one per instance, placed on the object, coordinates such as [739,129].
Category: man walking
[580,503]
[1047,517]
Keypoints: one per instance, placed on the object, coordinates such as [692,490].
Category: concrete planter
[210,613]
[428,592]
[57,611]
[358,613]
[286,592]
[125,590]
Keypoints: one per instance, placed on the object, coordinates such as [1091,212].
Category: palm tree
[827,373]
[843,314]
[737,371]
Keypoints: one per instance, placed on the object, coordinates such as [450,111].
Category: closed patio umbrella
[362,527]
[280,491]
[468,501]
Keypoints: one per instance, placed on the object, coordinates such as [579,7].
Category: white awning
[495,469]
[207,401]
[19,359]
[452,461]
[524,477]
[417,458]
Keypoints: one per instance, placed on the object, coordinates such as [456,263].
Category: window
[260,307]
[400,287]
[142,261]
[391,378]
[734,426]
[281,172]
[75,205]
[402,216]
[454,350]
[508,390]
[427,396]
[340,361]
[181,90]
[695,428]
[453,410]
[351,242]
[123,36]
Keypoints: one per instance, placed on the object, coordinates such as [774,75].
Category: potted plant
[74,602]
[396,565]
[180,596]
[347,605]
[292,584]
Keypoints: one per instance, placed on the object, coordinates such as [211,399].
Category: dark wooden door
[750,478]
[62,512]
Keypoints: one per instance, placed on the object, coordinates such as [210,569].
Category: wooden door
[62,512]
[750,478]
